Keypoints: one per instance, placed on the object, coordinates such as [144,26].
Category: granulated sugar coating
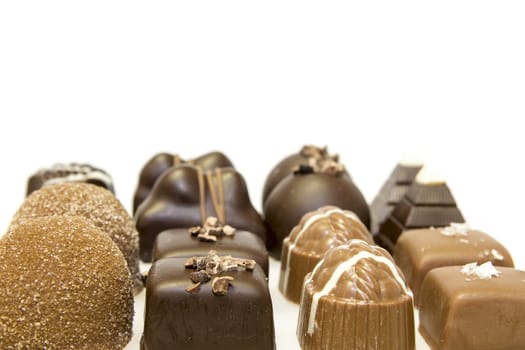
[64,284]
[97,205]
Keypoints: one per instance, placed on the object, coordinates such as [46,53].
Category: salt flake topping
[485,271]
[455,229]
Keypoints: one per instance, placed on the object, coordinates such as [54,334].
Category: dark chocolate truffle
[356,298]
[307,155]
[306,190]
[64,284]
[318,231]
[428,202]
[232,310]
[473,307]
[185,243]
[392,192]
[72,172]
[98,206]
[161,162]
[185,196]
[419,251]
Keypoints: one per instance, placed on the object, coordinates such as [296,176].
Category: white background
[112,83]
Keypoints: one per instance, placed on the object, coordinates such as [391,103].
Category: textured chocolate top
[64,284]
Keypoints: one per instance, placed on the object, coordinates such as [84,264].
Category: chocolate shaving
[200,276]
[319,161]
[220,285]
[211,229]
[194,289]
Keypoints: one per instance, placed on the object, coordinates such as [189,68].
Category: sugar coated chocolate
[306,190]
[309,154]
[161,162]
[64,284]
[356,298]
[392,191]
[318,231]
[473,307]
[98,206]
[72,172]
[195,304]
[419,251]
[184,196]
[426,203]
[185,243]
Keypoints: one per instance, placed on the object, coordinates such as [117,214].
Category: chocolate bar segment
[161,162]
[419,251]
[179,315]
[184,196]
[473,309]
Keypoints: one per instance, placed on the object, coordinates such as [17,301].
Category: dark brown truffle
[184,196]
[72,172]
[318,231]
[288,165]
[64,284]
[307,190]
[98,206]
[161,162]
[356,298]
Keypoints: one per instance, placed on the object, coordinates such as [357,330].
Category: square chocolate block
[179,243]
[419,251]
[177,319]
[462,312]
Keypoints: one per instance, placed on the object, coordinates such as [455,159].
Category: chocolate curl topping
[319,161]
[212,265]
[211,229]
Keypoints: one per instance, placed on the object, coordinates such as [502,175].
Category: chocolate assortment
[209,302]
[161,162]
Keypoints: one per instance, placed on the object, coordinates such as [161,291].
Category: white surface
[113,83]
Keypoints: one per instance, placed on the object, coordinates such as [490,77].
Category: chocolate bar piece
[181,243]
[161,162]
[318,231]
[229,314]
[72,172]
[419,251]
[356,298]
[307,189]
[184,196]
[473,307]
[392,192]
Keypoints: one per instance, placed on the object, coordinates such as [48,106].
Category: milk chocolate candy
[392,191]
[184,196]
[426,203]
[308,189]
[307,155]
[72,172]
[356,298]
[318,231]
[473,307]
[234,313]
[419,251]
[161,162]
[185,243]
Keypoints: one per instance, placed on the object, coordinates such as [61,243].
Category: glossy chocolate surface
[72,172]
[182,197]
[391,193]
[176,319]
[318,231]
[299,194]
[356,298]
[423,205]
[161,162]
[419,251]
[180,243]
[458,312]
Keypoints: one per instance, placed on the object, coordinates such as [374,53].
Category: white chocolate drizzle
[342,268]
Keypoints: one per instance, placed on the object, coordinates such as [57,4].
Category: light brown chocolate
[318,231]
[458,311]
[419,251]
